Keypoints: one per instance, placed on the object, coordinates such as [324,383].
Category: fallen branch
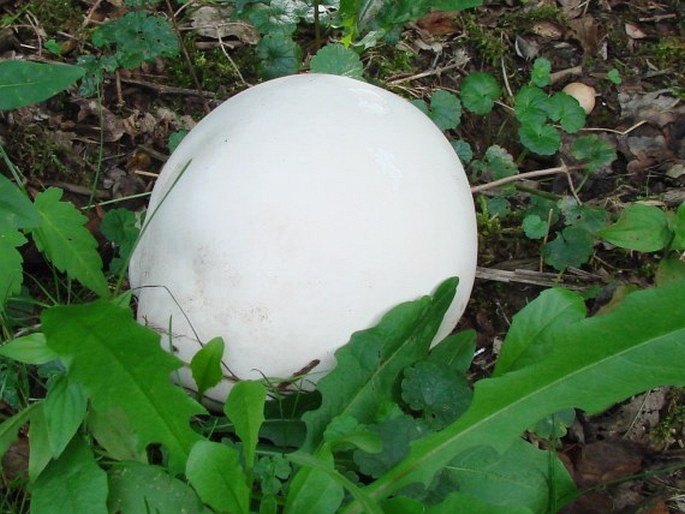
[523,176]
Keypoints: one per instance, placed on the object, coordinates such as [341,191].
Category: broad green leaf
[572,247]
[215,473]
[64,409]
[318,488]
[479,92]
[396,431]
[40,453]
[73,484]
[206,365]
[530,106]
[460,502]
[440,393]
[642,346]
[368,366]
[66,242]
[121,365]
[113,432]
[11,262]
[16,210]
[534,227]
[522,476]
[540,76]
[463,150]
[554,427]
[336,59]
[592,149]
[640,227]
[30,349]
[455,5]
[348,433]
[244,407]
[278,55]
[136,488]
[670,269]
[25,83]
[455,351]
[10,427]
[445,110]
[403,505]
[541,138]
[566,110]
[551,310]
[677,224]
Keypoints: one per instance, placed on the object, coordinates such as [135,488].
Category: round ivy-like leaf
[479,92]
[337,60]
[278,56]
[572,247]
[540,75]
[529,105]
[540,138]
[463,149]
[566,110]
[445,110]
[592,149]
[534,227]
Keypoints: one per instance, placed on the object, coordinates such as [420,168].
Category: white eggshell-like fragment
[583,93]
[298,212]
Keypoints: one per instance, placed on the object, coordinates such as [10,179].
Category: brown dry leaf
[609,460]
[548,29]
[586,31]
[113,127]
[572,8]
[438,23]
[15,462]
[634,32]
[632,420]
[657,107]
[215,23]
[526,48]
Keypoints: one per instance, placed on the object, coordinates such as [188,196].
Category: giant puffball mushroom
[297,212]
[583,93]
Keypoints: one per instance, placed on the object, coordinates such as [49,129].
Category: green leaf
[503,481]
[10,427]
[25,83]
[403,505]
[66,242]
[73,484]
[244,407]
[677,225]
[368,366]
[540,76]
[120,226]
[136,488]
[592,149]
[498,163]
[11,263]
[530,106]
[534,227]
[215,473]
[437,391]
[336,59]
[463,149]
[554,427]
[455,351]
[540,138]
[121,365]
[640,227]
[138,37]
[460,502]
[479,91]
[16,210]
[40,453]
[572,247]
[551,310]
[113,432]
[444,110]
[345,432]
[670,270]
[206,365]
[455,5]
[276,16]
[614,76]
[642,346]
[30,349]
[278,56]
[566,110]
[64,409]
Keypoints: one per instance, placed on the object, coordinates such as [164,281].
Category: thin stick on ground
[523,176]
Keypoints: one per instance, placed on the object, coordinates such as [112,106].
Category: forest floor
[631,52]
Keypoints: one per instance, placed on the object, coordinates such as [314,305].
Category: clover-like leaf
[540,76]
[541,138]
[566,110]
[572,247]
[534,227]
[530,106]
[479,92]
[337,59]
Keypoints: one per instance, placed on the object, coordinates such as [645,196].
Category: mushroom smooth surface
[297,212]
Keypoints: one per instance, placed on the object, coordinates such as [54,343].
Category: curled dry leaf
[548,29]
[634,32]
[438,23]
[215,23]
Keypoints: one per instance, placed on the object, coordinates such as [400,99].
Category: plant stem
[522,176]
